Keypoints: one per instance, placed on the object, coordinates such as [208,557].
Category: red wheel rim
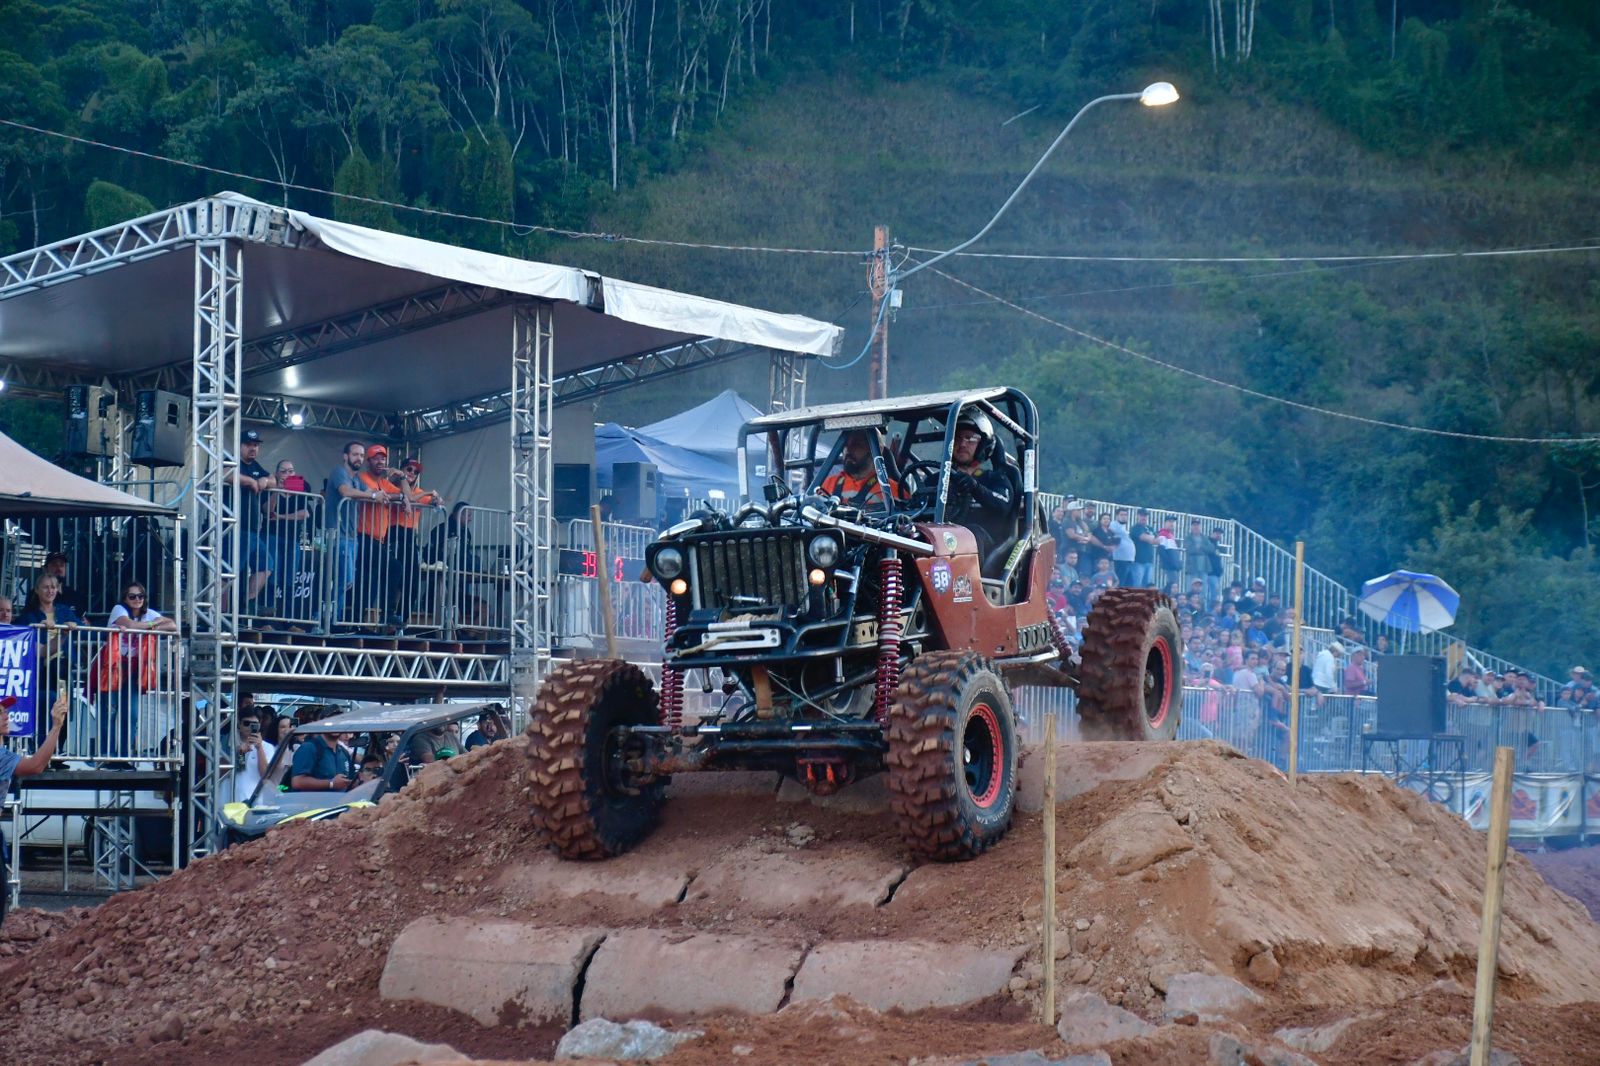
[982,755]
[1158,681]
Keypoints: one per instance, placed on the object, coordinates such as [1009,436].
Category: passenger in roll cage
[857,483]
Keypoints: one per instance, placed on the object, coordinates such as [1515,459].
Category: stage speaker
[160,428]
[1411,695]
[573,490]
[634,486]
[91,420]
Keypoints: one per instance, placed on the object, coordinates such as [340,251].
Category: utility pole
[878,283]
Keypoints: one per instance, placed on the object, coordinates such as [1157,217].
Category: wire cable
[1375,257]
[524,227]
[1040,297]
[1245,390]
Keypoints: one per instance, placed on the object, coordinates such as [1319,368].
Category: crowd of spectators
[369,514]
[1237,637]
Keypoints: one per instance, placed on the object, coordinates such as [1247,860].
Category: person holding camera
[252,753]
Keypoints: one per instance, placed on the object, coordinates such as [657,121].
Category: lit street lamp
[1159,94]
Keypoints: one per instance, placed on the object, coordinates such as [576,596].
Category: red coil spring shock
[1058,637]
[888,632]
[671,679]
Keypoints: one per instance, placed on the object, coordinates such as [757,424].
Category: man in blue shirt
[13,765]
[320,765]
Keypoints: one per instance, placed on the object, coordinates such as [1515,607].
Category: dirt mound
[1338,895]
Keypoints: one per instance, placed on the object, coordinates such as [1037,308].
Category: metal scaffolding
[213,557]
[219,232]
[532,516]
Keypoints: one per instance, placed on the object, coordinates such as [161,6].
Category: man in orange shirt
[403,538]
[374,563]
[857,484]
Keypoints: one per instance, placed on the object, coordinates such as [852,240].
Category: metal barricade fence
[125,694]
[380,577]
[638,610]
[627,541]
[292,549]
[468,561]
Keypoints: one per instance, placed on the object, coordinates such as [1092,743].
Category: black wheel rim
[981,747]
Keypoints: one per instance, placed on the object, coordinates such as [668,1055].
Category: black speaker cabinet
[91,425]
[573,489]
[160,428]
[634,486]
[1411,695]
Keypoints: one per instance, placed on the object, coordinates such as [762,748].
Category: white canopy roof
[135,312]
[33,487]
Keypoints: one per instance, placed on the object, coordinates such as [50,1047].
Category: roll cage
[911,438]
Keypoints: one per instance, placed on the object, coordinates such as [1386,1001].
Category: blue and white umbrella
[1416,603]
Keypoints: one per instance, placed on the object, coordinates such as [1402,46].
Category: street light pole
[884,281]
[1157,95]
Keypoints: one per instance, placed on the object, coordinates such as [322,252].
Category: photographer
[252,753]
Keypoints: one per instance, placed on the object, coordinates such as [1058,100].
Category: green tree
[106,204]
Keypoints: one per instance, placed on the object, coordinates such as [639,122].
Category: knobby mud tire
[1131,684]
[580,809]
[952,757]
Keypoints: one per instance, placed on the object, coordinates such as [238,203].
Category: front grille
[750,570]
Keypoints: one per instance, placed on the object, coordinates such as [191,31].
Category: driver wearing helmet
[981,498]
[857,484]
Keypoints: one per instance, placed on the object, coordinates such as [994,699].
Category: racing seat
[1004,534]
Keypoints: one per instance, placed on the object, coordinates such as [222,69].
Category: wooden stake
[1049,909]
[602,571]
[1294,660]
[1494,884]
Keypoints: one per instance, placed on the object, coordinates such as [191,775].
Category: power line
[613,238]
[1311,408]
[1376,257]
[1040,297]
[619,238]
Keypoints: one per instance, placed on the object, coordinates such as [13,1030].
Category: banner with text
[19,675]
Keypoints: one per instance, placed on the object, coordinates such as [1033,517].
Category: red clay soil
[1344,897]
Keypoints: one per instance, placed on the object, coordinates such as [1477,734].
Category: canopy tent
[711,427]
[678,470]
[31,487]
[338,313]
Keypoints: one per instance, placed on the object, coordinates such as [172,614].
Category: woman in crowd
[7,611]
[128,666]
[44,608]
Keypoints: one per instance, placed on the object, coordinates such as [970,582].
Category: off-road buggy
[852,634]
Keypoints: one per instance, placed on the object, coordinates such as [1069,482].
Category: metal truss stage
[245,307]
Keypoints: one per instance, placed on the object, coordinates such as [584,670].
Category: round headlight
[824,550]
[667,564]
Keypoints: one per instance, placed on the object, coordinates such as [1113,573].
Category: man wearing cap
[1325,671]
[254,481]
[1076,530]
[375,568]
[403,537]
[13,766]
[1577,692]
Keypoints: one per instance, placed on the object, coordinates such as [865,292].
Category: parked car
[372,726]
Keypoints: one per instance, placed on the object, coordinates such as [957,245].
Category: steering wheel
[921,481]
